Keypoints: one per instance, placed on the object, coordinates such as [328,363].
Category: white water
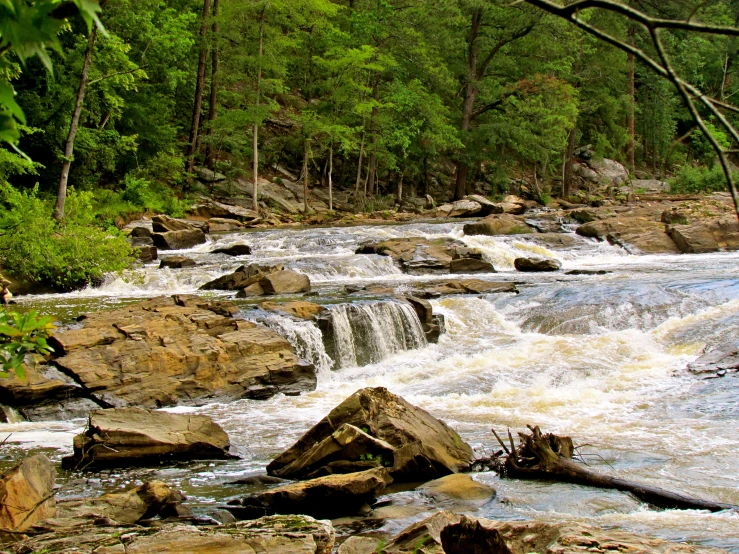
[599,358]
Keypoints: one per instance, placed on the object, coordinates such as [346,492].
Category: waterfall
[363,333]
[304,336]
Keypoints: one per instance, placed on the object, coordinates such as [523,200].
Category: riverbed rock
[459,487]
[601,171]
[178,240]
[552,241]
[419,255]
[460,208]
[27,493]
[227,211]
[222,225]
[470,265]
[122,437]
[147,253]
[285,282]
[503,224]
[166,224]
[177,262]
[243,277]
[324,497]
[637,234]
[718,361]
[179,350]
[706,236]
[487,207]
[513,205]
[424,447]
[298,308]
[537,264]
[234,250]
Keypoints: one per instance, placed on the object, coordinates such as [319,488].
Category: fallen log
[550,457]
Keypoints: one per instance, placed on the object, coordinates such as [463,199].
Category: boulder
[208,175]
[285,282]
[545,223]
[426,533]
[423,309]
[234,250]
[122,437]
[222,224]
[537,264]
[423,447]
[27,493]
[298,308]
[459,487]
[177,262]
[324,497]
[460,208]
[470,265]
[637,234]
[674,217]
[512,205]
[166,224]
[179,350]
[140,232]
[242,277]
[465,286]
[420,256]
[718,361]
[146,253]
[178,240]
[504,224]
[361,545]
[707,236]
[487,207]
[601,171]
[226,211]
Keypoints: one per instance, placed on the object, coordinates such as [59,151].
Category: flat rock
[222,224]
[706,236]
[234,250]
[177,262]
[718,361]
[122,437]
[424,447]
[503,224]
[27,493]
[226,211]
[179,350]
[419,255]
[460,208]
[459,486]
[324,497]
[165,224]
[553,241]
[470,265]
[537,264]
[298,308]
[487,207]
[178,240]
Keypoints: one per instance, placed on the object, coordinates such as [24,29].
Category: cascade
[305,337]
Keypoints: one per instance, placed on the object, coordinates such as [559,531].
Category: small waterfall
[305,337]
[366,332]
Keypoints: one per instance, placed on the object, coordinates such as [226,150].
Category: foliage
[37,250]
[22,334]
[693,178]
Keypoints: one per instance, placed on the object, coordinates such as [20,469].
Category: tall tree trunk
[305,176]
[400,188]
[357,202]
[73,126]
[631,115]
[372,173]
[425,176]
[255,137]
[209,150]
[568,162]
[330,174]
[199,84]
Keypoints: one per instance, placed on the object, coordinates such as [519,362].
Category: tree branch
[116,74]
[494,51]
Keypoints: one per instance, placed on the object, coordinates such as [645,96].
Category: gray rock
[537,264]
[470,265]
[178,240]
[177,262]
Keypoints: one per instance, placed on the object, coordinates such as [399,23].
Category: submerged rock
[459,487]
[122,437]
[27,493]
[324,497]
[422,446]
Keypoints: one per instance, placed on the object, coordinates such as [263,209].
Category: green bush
[691,179]
[37,250]
[141,193]
[22,334]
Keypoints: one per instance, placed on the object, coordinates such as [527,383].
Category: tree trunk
[549,457]
[400,188]
[357,203]
[199,84]
[330,173]
[568,163]
[425,190]
[631,115]
[69,146]
[255,138]
[305,177]
[209,150]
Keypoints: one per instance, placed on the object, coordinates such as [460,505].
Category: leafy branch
[22,334]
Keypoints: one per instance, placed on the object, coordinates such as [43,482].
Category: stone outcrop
[503,224]
[718,361]
[225,211]
[434,325]
[537,264]
[422,446]
[223,225]
[601,171]
[234,250]
[258,280]
[177,262]
[419,256]
[297,308]
[27,493]
[330,496]
[178,240]
[122,437]
[460,208]
[166,224]
[487,207]
[706,236]
[179,350]
[638,234]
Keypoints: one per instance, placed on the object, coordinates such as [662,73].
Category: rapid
[598,357]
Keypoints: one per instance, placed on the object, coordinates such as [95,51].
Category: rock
[146,253]
[226,211]
[179,350]
[285,282]
[537,264]
[177,262]
[469,537]
[504,224]
[255,289]
[545,223]
[602,171]
[460,208]
[243,277]
[140,232]
[298,308]
[222,224]
[512,205]
[423,309]
[424,447]
[153,498]
[674,217]
[637,234]
[476,286]
[470,265]
[325,497]
[361,545]
[459,486]
[27,493]
[418,255]
[234,250]
[178,240]
[487,207]
[122,437]
[553,241]
[587,272]
[208,175]
[719,361]
[649,186]
[166,224]
[426,533]
[706,236]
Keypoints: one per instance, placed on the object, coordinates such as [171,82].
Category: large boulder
[487,207]
[234,250]
[422,446]
[637,234]
[603,172]
[470,265]
[707,236]
[513,205]
[178,240]
[243,277]
[122,437]
[225,211]
[418,255]
[537,264]
[718,361]
[285,282]
[27,493]
[177,262]
[166,224]
[328,497]
[503,224]
[460,208]
[179,350]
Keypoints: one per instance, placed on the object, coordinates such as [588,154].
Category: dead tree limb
[549,457]
[690,94]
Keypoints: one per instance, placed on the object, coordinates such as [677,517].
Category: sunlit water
[600,358]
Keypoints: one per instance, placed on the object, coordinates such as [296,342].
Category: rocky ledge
[422,256]
[183,350]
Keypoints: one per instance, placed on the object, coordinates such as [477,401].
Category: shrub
[143,194]
[692,179]
[22,334]
[64,256]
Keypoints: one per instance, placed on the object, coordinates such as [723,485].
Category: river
[598,357]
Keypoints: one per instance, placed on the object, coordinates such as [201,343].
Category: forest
[448,97]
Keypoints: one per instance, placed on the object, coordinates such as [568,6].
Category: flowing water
[600,358]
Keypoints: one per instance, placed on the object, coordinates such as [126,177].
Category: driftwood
[550,457]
